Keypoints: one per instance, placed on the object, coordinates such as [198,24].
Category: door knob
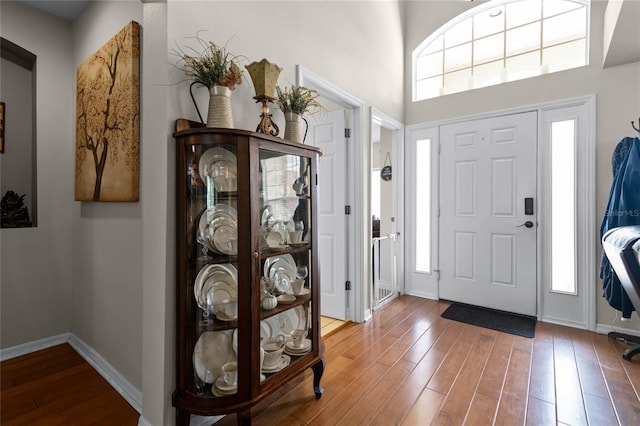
[527,224]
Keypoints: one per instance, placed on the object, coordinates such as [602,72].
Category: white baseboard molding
[607,328]
[563,322]
[110,374]
[36,345]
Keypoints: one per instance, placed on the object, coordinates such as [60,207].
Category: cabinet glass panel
[285,247]
[212,220]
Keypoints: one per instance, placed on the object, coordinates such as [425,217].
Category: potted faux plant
[295,101]
[217,69]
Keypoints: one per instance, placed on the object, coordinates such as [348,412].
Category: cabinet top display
[186,127]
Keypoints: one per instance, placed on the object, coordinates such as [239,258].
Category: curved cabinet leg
[318,369]
[244,417]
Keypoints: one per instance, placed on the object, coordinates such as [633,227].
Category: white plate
[269,328]
[288,321]
[219,281]
[284,361]
[218,229]
[212,350]
[213,155]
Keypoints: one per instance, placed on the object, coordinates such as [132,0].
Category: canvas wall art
[107,148]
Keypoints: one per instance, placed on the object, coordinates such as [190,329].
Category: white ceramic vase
[220,114]
[293,127]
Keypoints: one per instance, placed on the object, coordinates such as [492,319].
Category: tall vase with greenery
[295,101]
[212,66]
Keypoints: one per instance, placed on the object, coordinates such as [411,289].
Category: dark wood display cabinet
[247,287]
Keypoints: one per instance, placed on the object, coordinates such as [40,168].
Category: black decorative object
[13,212]
[385,173]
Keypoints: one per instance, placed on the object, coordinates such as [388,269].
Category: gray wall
[106,312]
[617,92]
[36,263]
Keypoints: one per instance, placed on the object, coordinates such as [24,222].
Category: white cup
[297,285]
[295,237]
[272,353]
[297,337]
[230,373]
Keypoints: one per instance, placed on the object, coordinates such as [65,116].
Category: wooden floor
[329,325]
[406,366]
[56,386]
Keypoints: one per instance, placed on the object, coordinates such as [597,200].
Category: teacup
[297,285]
[295,237]
[230,373]
[273,352]
[297,337]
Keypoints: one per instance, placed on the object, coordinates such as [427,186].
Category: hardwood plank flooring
[56,386]
[406,366]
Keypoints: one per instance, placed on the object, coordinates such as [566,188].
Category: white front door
[487,248]
[326,131]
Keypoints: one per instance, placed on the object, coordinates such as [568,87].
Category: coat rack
[637,129]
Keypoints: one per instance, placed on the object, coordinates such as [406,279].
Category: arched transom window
[500,41]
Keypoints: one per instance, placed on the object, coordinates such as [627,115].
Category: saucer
[284,361]
[224,317]
[286,299]
[304,292]
[305,347]
[293,352]
[217,392]
[224,387]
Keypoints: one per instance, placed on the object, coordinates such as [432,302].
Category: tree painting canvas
[108,120]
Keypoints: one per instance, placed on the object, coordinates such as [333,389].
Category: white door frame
[357,250]
[588,230]
[397,166]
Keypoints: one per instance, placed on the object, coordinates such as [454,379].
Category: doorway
[356,197]
[488,186]
[386,206]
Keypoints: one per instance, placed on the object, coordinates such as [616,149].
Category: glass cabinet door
[285,252]
[212,265]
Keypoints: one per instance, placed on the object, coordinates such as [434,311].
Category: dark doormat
[520,325]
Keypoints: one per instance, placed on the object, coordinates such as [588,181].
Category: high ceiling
[67,9]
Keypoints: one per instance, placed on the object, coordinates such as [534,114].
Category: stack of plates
[303,349]
[218,229]
[213,349]
[215,284]
[282,271]
[219,165]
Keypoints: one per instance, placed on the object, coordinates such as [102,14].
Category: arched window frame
[542,48]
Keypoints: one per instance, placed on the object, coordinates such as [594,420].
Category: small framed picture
[2,107]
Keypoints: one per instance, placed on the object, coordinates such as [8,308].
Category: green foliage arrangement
[211,65]
[298,99]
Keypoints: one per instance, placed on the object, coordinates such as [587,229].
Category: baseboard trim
[36,345]
[110,374]
[607,328]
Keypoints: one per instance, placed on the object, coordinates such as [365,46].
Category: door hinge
[347,133]
[438,212]
[347,285]
[347,209]
[439,148]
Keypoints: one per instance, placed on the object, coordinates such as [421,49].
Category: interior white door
[487,248]
[326,131]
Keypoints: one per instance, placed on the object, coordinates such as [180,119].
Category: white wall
[617,101]
[36,276]
[106,312]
